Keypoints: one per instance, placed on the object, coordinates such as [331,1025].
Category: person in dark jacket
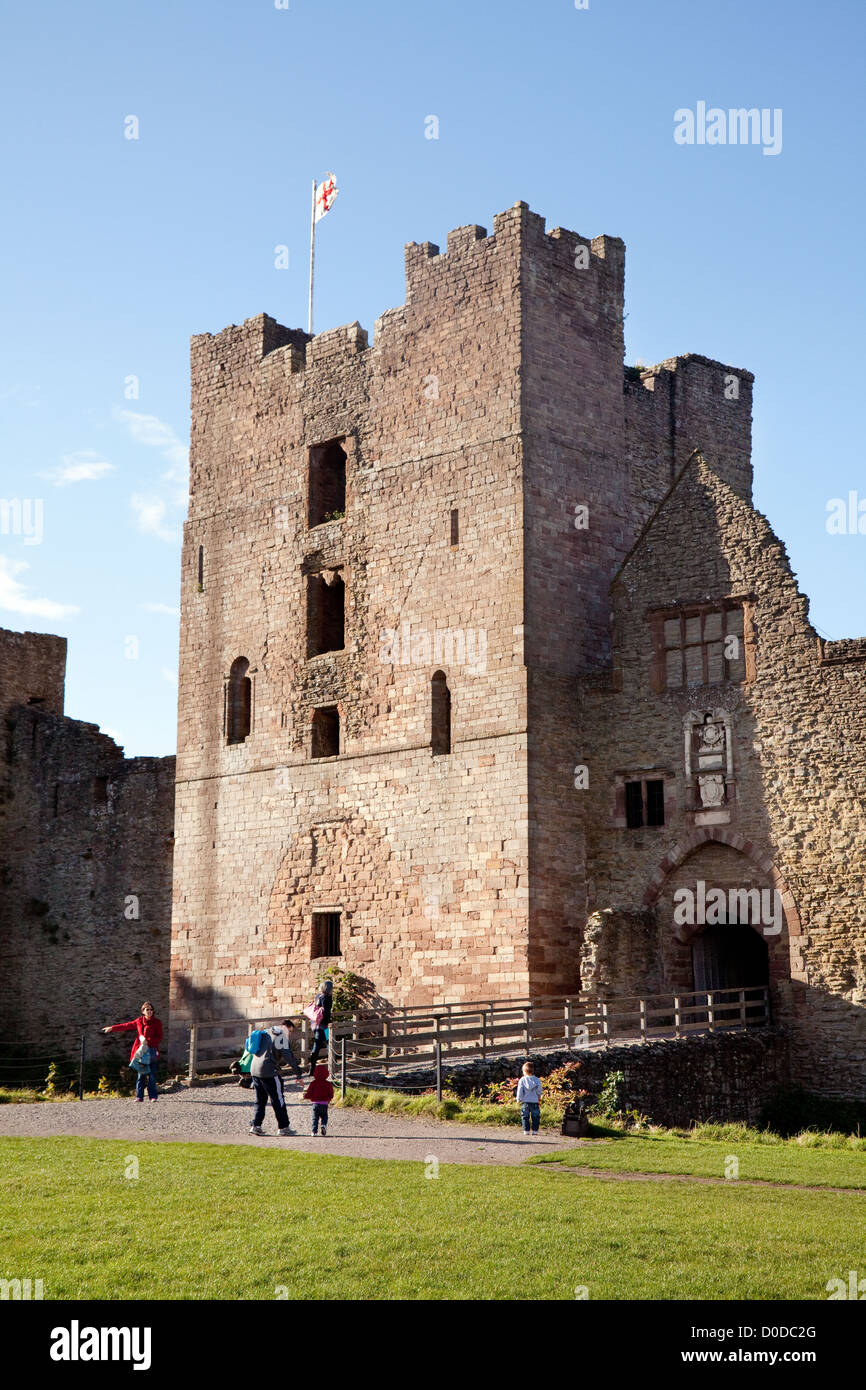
[264,1069]
[148,1033]
[321,1093]
[324,1000]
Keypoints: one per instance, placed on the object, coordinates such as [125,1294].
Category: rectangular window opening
[633,805]
[326,491]
[326,613]
[655,803]
[326,934]
[455,527]
[644,803]
[326,732]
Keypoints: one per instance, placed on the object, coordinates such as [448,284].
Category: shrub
[349,989]
[610,1102]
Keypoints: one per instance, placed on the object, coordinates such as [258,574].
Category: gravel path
[222,1115]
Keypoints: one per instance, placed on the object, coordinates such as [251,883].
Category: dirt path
[222,1115]
[569,1170]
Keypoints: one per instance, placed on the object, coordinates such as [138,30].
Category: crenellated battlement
[517,250]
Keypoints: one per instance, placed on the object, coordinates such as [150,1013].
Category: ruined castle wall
[32,670]
[796,811]
[686,403]
[85,843]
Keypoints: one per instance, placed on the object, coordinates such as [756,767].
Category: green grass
[230,1222]
[470,1110]
[814,1159]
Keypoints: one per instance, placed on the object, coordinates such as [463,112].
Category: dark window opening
[239,698]
[326,614]
[644,803]
[633,805]
[201,568]
[36,700]
[327,483]
[455,527]
[100,791]
[326,934]
[655,803]
[326,732]
[440,721]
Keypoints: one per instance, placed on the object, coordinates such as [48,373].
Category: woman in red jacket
[148,1030]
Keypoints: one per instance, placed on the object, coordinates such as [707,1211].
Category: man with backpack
[264,1070]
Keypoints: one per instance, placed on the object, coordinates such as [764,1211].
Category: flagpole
[312,257]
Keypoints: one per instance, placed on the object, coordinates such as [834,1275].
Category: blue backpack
[258,1042]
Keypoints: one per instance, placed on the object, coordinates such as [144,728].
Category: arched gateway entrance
[739,935]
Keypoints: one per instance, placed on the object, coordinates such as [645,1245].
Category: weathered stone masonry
[502,471]
[83,832]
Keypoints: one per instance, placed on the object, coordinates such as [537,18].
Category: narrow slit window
[201,568]
[440,714]
[239,702]
[455,527]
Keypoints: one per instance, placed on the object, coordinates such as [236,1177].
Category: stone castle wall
[85,839]
[795,817]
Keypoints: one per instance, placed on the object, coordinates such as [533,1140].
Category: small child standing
[529,1098]
[321,1093]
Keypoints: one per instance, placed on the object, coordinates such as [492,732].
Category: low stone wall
[708,1076]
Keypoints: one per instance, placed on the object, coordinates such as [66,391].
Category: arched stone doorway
[729,956]
[736,937]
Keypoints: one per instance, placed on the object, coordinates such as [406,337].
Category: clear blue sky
[115,251]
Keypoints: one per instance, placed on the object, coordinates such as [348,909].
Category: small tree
[349,989]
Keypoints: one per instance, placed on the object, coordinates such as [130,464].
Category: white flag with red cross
[326,192]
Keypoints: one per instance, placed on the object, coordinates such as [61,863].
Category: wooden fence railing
[432,1037]
[416,1036]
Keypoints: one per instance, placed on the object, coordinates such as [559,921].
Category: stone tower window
[326,732]
[326,935]
[440,718]
[239,702]
[700,645]
[201,568]
[644,803]
[326,489]
[455,526]
[326,613]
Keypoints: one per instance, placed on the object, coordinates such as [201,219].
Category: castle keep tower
[396,581]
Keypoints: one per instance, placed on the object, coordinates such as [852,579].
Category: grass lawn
[782,1161]
[212,1221]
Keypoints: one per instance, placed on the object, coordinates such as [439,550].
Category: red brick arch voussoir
[683,848]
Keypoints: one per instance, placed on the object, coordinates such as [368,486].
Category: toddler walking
[529,1098]
[321,1093]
